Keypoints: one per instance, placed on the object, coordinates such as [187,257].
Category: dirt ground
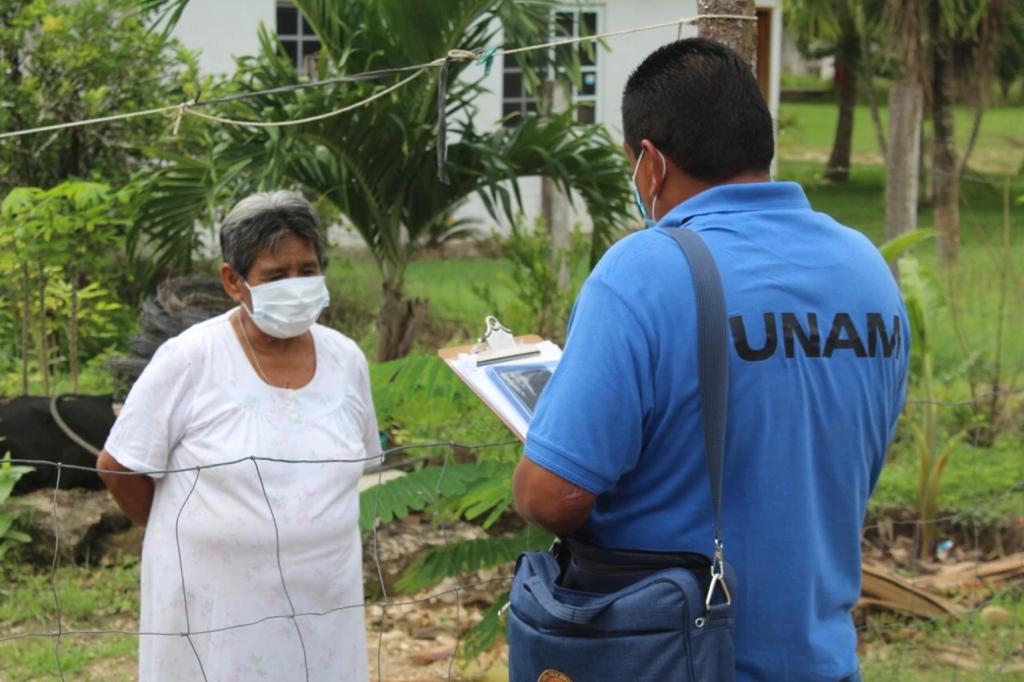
[413,638]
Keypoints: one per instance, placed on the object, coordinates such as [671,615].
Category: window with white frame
[297,36]
[565,23]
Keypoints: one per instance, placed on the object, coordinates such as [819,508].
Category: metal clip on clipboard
[497,345]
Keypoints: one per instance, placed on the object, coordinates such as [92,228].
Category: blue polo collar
[738,198]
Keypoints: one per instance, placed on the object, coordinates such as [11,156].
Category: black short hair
[700,104]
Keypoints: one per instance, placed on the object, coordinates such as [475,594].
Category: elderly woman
[240,448]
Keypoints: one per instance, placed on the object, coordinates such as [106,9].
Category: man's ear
[654,170]
[232,282]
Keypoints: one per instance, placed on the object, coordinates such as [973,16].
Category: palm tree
[377,166]
[841,28]
[965,42]
[937,39]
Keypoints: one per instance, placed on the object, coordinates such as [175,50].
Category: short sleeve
[155,414]
[588,426]
[371,432]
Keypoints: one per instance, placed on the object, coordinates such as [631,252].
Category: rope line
[308,119]
[626,31]
[189,107]
[171,108]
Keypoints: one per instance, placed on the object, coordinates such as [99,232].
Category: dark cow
[30,431]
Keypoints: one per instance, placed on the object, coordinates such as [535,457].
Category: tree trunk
[901,163]
[738,34]
[400,318]
[945,170]
[554,203]
[867,64]
[838,167]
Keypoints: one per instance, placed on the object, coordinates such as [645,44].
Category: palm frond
[177,200]
[897,246]
[424,375]
[419,490]
[469,556]
[583,160]
[164,14]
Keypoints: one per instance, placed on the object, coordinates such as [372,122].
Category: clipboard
[481,378]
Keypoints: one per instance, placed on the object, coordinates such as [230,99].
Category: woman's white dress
[252,561]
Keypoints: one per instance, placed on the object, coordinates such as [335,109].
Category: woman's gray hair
[260,221]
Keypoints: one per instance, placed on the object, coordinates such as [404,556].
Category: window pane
[588,53]
[589,84]
[291,48]
[287,21]
[585,113]
[531,107]
[513,84]
[510,113]
[563,24]
[307,30]
[563,54]
[588,23]
[310,47]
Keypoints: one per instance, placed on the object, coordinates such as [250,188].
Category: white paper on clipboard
[481,381]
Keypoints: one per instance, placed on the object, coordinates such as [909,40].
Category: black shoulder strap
[713,358]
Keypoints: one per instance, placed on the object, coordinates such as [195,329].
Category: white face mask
[288,307]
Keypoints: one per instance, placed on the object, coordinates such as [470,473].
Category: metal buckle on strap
[717,577]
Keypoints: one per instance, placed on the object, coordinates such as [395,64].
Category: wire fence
[61,632]
[981,634]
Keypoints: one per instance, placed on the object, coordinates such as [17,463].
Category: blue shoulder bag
[584,613]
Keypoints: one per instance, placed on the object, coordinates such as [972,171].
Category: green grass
[447,284]
[92,600]
[456,308]
[808,129]
[978,485]
[804,81]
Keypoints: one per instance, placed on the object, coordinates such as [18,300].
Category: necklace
[252,350]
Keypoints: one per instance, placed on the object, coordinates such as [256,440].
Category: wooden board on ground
[973,572]
[883,588]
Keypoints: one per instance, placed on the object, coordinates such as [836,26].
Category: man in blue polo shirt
[818,365]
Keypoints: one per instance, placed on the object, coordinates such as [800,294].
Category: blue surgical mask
[649,220]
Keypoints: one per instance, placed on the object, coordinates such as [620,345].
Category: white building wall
[224,29]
